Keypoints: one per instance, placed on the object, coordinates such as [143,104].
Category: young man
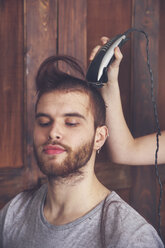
[73,209]
[133,151]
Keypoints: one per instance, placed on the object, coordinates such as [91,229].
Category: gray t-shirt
[112,223]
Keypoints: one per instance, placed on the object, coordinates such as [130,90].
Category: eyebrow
[75,114]
[38,115]
[72,114]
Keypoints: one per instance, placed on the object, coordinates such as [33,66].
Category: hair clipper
[97,70]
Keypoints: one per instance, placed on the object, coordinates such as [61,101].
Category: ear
[100,137]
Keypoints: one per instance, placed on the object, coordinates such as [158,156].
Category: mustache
[66,147]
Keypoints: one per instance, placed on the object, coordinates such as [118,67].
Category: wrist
[111,94]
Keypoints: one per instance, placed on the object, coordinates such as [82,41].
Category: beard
[69,166]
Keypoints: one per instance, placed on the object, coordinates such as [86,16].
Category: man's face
[64,133]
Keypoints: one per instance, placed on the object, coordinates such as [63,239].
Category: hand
[113,69]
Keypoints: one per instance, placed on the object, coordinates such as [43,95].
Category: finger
[104,40]
[93,53]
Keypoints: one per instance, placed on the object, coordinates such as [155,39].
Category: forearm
[120,139]
[123,147]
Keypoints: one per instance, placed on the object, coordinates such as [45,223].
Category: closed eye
[72,124]
[44,124]
[43,120]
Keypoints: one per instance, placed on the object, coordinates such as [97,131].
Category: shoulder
[26,197]
[20,203]
[122,211]
[125,225]
[20,209]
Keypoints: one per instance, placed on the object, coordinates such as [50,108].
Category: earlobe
[100,136]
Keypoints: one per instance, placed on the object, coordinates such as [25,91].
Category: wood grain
[146,17]
[72,30]
[11,85]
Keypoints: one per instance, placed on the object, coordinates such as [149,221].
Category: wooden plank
[146,17]
[11,101]
[72,32]
[11,86]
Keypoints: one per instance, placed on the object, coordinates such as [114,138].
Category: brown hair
[50,78]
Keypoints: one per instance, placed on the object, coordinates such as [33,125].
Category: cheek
[83,137]
[39,136]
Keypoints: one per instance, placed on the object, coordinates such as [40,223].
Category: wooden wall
[33,30]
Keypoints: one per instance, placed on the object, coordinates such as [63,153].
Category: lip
[53,149]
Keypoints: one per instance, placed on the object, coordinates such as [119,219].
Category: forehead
[64,102]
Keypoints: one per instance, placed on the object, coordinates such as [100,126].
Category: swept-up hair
[51,78]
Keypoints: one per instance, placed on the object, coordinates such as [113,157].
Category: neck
[72,197]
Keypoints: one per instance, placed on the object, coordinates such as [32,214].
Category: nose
[55,133]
